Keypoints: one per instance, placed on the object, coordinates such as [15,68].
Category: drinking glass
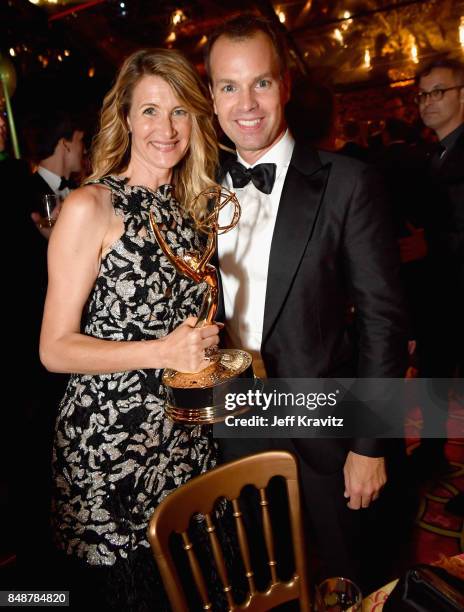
[50,202]
[340,595]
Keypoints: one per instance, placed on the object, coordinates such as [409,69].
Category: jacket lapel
[42,184]
[452,166]
[299,205]
[226,157]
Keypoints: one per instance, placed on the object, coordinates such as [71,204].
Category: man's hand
[364,478]
[38,221]
[413,247]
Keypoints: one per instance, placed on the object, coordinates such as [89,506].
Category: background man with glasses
[441,105]
[441,100]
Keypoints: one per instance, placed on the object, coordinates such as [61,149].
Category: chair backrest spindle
[267,525]
[196,571]
[244,547]
[219,560]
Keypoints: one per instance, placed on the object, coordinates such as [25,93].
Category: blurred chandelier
[382,38]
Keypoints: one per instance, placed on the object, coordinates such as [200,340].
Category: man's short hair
[456,67]
[45,131]
[246,26]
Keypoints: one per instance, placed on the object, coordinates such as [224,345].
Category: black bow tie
[66,184]
[262,176]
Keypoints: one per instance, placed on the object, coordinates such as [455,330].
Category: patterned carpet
[438,532]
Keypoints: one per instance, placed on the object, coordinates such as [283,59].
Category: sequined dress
[115,454]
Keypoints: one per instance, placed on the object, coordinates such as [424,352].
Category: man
[400,164]
[56,145]
[441,101]
[316,238]
[57,148]
[441,105]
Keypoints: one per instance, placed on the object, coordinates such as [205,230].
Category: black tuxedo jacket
[333,246]
[444,202]
[47,388]
[446,217]
[34,188]
[37,188]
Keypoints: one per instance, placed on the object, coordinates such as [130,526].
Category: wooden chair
[199,496]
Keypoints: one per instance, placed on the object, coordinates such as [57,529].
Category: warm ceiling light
[367,58]
[67,52]
[91,72]
[34,1]
[177,17]
[338,36]
[281,16]
[60,58]
[461,32]
[404,83]
[346,24]
[203,40]
[12,52]
[171,38]
[413,50]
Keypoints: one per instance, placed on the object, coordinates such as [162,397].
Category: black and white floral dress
[116,455]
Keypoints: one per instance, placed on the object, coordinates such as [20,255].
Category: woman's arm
[81,231]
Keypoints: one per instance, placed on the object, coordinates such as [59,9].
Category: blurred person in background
[440,99]
[354,141]
[53,145]
[56,147]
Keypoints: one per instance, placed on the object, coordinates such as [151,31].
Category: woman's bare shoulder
[89,200]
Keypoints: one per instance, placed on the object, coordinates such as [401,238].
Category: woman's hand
[184,348]
[85,226]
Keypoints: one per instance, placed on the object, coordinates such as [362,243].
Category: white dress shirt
[244,252]
[53,181]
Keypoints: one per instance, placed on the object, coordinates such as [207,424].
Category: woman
[115,455]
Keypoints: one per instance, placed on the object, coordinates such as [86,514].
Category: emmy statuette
[197,398]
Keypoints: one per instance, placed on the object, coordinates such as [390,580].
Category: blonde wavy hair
[111,145]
